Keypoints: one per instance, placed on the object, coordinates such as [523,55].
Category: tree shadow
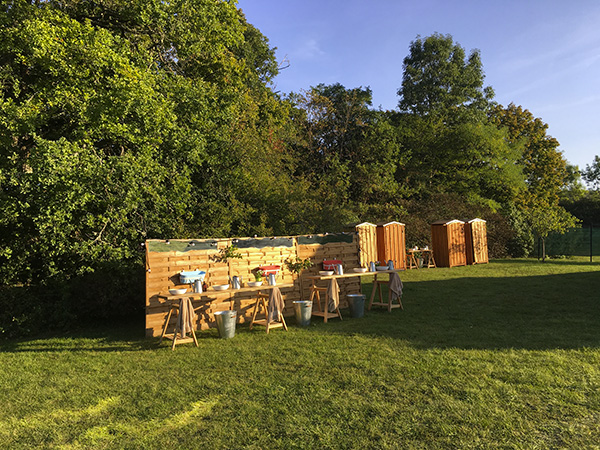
[534,312]
[98,336]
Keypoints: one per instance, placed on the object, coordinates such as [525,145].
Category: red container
[269,270]
[329,264]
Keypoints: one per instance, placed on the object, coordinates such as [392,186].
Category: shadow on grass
[536,312]
[102,336]
[533,312]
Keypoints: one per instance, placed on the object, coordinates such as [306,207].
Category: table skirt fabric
[395,285]
[333,293]
[185,319]
[276,305]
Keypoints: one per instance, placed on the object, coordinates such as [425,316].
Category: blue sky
[541,54]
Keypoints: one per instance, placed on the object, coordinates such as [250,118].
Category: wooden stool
[377,286]
[176,340]
[263,300]
[315,293]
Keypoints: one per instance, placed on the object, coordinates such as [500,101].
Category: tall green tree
[546,219]
[544,167]
[583,203]
[573,189]
[123,120]
[438,77]
[591,173]
[81,129]
[543,164]
[454,148]
[350,153]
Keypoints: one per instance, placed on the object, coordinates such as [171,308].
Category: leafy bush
[111,292]
[27,310]
[521,242]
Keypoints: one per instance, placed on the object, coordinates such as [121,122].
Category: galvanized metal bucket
[357,305]
[226,323]
[303,312]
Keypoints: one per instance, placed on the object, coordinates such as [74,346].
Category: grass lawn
[503,355]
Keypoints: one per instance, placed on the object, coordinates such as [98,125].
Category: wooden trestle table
[174,302]
[428,259]
[315,291]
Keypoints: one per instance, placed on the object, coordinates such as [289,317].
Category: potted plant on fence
[298,265]
[224,255]
[228,253]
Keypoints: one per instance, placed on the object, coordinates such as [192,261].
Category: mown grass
[504,355]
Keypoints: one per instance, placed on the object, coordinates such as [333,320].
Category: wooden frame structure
[391,244]
[367,243]
[425,253]
[448,242]
[177,336]
[378,287]
[262,302]
[322,310]
[476,241]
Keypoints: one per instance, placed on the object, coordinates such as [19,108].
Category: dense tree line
[123,120]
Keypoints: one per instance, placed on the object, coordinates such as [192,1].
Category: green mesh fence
[576,242]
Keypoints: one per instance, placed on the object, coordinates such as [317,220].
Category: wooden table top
[210,292]
[350,275]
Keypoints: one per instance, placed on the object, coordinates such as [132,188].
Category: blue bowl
[190,277]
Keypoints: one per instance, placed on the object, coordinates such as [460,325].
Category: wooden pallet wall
[252,258]
[164,262]
[162,274]
[347,252]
